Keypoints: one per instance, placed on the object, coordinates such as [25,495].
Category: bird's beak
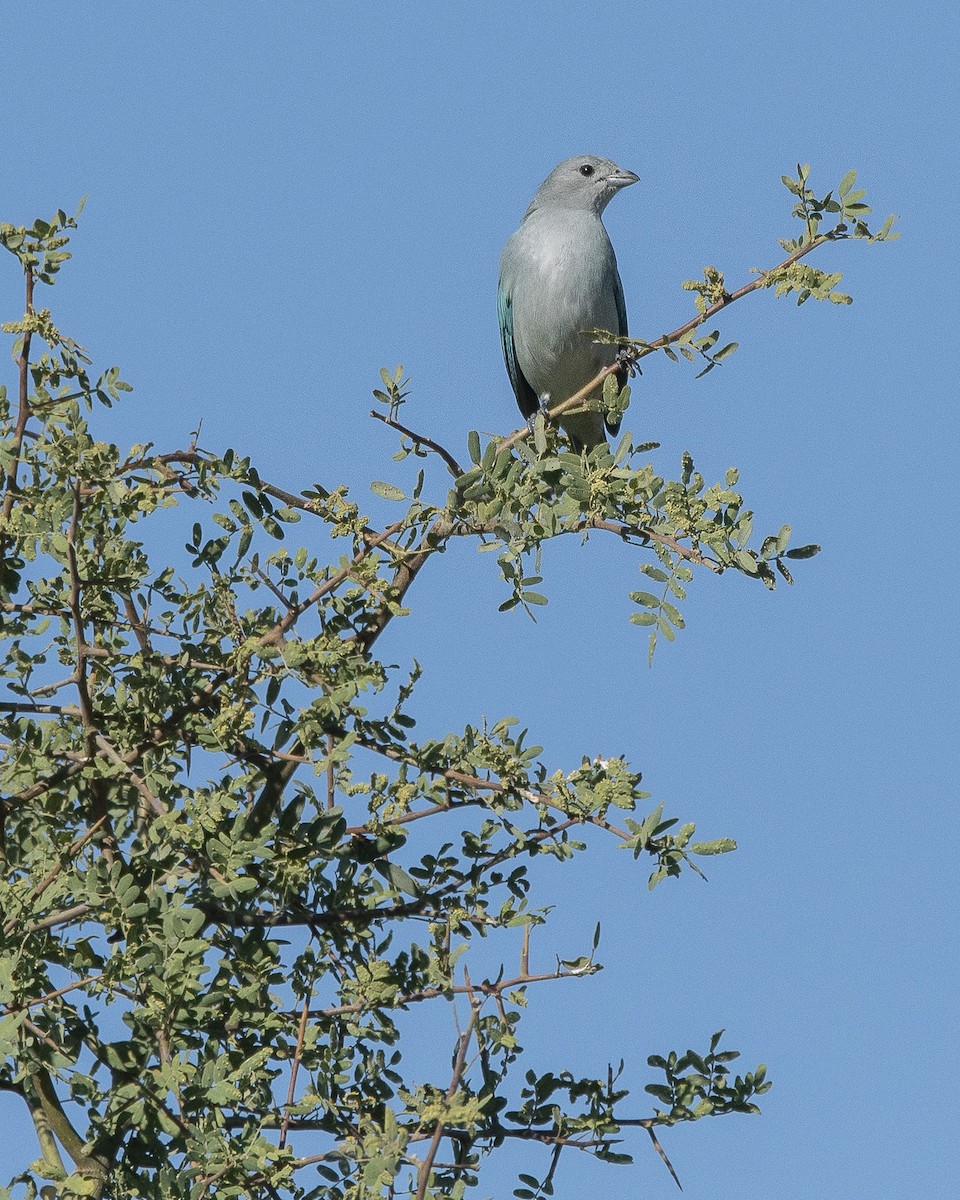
[621,179]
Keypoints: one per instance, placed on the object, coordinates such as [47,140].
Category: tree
[230,865]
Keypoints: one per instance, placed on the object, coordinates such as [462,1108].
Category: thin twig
[331,781]
[455,469]
[72,851]
[423,1176]
[485,785]
[23,414]
[47,710]
[44,999]
[63,917]
[660,1150]
[87,715]
[295,1068]
[486,988]
[158,807]
[284,600]
[138,625]
[295,611]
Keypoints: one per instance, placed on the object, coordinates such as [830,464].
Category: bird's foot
[626,361]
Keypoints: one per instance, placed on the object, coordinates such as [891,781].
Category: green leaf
[399,879]
[386,490]
[720,846]
[643,618]
[540,433]
[646,599]
[746,562]
[846,183]
[254,503]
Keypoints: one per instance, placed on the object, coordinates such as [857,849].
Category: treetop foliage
[231,864]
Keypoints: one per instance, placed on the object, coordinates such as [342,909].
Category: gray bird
[558,277]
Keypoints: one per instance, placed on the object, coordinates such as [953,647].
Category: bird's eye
[586,169]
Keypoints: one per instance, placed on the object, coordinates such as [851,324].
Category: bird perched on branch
[558,277]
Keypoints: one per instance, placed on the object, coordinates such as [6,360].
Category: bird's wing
[621,304]
[614,427]
[526,396]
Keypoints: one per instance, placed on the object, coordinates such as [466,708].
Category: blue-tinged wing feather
[614,428]
[621,305]
[526,396]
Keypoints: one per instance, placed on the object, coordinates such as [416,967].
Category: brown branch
[649,535]
[73,603]
[634,355]
[23,415]
[626,532]
[44,1037]
[284,600]
[49,1150]
[97,792]
[46,710]
[63,917]
[555,1159]
[295,1068]
[487,785]
[51,689]
[295,611]
[138,626]
[15,1006]
[423,1175]
[487,988]
[111,752]
[160,462]
[648,1126]
[406,572]
[331,780]
[44,610]
[72,851]
[92,1165]
[455,469]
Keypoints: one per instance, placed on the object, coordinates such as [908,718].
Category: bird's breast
[564,284]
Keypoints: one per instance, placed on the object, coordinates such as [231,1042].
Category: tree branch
[455,469]
[423,1176]
[486,988]
[295,1068]
[23,415]
[634,355]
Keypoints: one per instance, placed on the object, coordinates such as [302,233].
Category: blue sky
[284,198]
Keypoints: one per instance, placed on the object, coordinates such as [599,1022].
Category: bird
[558,278]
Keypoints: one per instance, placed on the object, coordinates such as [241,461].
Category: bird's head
[583,182]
